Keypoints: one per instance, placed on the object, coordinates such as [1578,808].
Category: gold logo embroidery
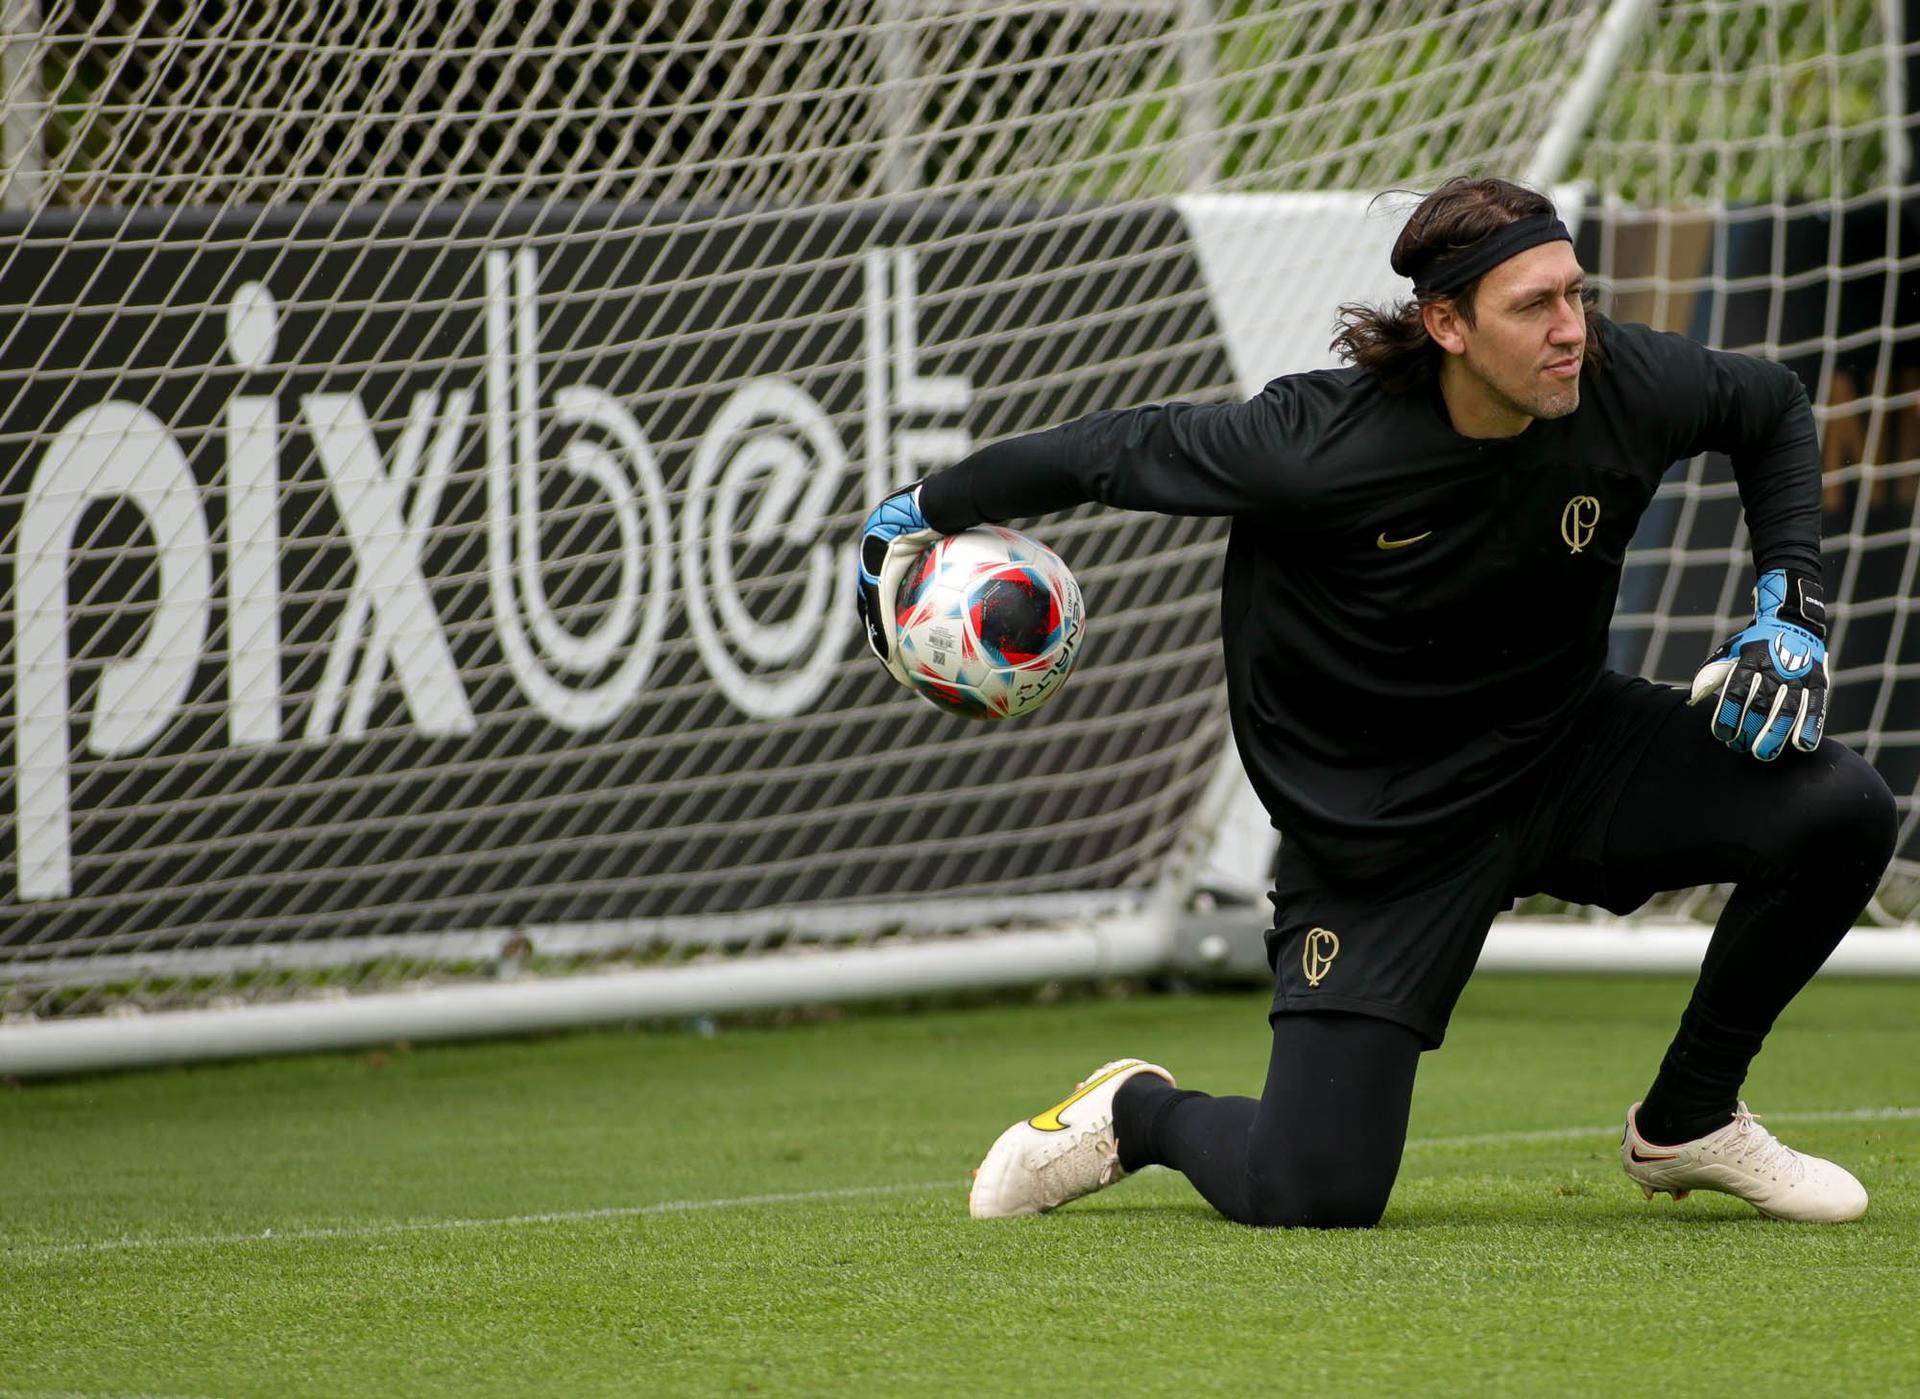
[1317,954]
[1385,543]
[1577,522]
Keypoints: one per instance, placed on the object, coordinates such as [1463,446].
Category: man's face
[1523,352]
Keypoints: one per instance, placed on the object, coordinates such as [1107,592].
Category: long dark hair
[1392,342]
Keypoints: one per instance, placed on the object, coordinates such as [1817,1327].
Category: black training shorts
[1341,942]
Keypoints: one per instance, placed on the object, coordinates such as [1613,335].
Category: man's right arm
[1175,458]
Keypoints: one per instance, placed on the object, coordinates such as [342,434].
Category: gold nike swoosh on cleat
[1635,1153]
[1385,543]
[1049,1121]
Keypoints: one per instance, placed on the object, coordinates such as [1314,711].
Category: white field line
[427,1226]
[29,1253]
[88,1394]
[1564,1134]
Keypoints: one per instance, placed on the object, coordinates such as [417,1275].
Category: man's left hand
[1769,682]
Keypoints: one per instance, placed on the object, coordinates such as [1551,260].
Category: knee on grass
[1334,1198]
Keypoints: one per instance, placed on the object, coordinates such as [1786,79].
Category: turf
[779,1211]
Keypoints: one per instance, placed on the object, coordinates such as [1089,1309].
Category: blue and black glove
[1770,681]
[892,538]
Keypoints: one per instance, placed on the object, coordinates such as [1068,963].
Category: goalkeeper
[1425,550]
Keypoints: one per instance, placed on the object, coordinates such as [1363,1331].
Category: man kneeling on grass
[1425,552]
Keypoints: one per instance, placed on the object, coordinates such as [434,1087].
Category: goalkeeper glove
[1770,681]
[891,539]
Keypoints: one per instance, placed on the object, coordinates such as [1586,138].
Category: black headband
[1454,270]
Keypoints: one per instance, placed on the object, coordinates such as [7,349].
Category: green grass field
[781,1211]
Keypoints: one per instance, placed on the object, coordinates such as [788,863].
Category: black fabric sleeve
[1756,412]
[1762,420]
[1175,458]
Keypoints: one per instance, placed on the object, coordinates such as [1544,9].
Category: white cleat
[1745,1159]
[1066,1152]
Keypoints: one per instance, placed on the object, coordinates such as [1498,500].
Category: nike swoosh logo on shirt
[1385,543]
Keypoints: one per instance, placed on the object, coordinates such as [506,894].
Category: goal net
[435,436]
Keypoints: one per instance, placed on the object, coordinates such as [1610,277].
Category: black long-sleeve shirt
[1410,616]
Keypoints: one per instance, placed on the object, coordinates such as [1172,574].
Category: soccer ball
[990,622]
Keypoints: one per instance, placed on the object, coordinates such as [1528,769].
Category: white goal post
[435,436]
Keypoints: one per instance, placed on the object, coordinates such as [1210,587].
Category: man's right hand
[892,538]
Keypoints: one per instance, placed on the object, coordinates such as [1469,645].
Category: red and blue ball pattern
[990,623]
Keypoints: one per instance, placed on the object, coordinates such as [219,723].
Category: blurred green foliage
[166,101]
[1710,102]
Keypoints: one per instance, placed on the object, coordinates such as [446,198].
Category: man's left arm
[1767,682]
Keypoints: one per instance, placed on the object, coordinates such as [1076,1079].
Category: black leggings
[1322,1144]
[1319,1147]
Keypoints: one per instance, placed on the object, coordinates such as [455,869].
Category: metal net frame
[433,438]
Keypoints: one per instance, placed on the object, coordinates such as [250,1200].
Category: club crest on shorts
[1317,954]
[1577,522]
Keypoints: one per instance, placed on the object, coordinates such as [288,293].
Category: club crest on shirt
[1577,522]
